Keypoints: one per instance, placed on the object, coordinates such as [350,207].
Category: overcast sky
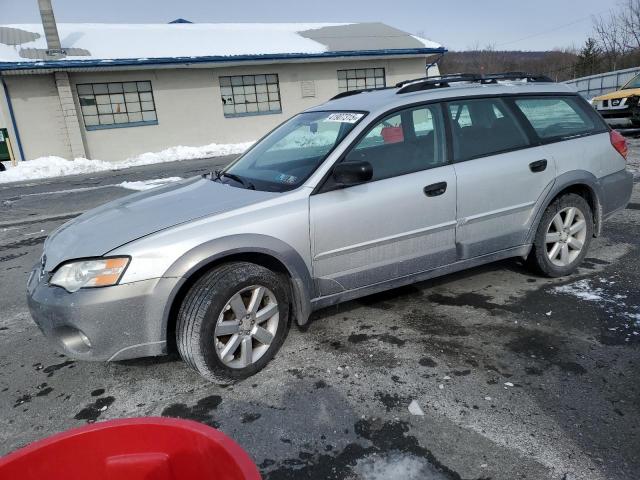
[457,24]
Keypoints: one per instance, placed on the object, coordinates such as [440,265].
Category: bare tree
[611,36]
[629,19]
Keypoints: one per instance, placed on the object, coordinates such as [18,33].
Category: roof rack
[348,93]
[444,80]
[449,76]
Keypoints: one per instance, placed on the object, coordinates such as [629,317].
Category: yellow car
[620,108]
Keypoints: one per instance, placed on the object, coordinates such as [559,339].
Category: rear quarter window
[557,118]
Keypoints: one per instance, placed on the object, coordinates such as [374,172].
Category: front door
[399,223]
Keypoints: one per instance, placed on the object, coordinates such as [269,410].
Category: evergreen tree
[589,58]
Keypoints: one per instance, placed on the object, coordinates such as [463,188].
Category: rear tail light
[619,143]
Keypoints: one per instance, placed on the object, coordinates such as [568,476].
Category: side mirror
[352,173]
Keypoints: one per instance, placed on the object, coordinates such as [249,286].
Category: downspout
[13,119]
[429,65]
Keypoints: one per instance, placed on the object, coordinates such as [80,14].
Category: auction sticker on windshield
[344,117]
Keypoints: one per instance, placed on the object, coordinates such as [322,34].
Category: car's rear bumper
[109,323]
[616,191]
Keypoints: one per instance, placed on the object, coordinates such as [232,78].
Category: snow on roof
[22,43]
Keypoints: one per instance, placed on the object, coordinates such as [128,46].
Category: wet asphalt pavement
[518,376]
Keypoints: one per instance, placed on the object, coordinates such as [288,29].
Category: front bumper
[618,122]
[108,323]
[625,116]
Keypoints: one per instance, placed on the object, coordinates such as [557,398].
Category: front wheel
[233,320]
[563,236]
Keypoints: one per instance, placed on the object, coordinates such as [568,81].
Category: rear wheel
[233,321]
[563,236]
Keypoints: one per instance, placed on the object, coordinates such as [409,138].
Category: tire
[562,257]
[209,302]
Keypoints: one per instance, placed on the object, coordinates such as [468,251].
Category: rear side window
[557,117]
[483,127]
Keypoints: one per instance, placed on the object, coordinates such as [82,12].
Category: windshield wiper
[245,183]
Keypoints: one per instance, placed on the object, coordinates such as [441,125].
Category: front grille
[617,114]
[605,103]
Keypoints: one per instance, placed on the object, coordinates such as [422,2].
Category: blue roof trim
[61,64]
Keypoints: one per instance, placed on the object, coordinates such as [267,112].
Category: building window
[117,104]
[361,78]
[250,95]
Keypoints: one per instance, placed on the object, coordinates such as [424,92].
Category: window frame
[356,69]
[532,139]
[507,97]
[324,186]
[256,113]
[140,123]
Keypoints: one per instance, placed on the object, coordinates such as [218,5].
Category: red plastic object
[619,143]
[132,449]
[392,134]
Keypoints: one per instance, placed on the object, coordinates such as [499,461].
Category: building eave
[53,65]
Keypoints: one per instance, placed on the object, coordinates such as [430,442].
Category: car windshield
[286,157]
[633,83]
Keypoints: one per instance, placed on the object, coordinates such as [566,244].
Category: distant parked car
[620,108]
[369,191]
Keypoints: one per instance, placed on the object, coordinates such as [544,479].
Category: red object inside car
[392,134]
[132,449]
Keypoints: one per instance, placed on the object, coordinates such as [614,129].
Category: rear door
[502,176]
[399,223]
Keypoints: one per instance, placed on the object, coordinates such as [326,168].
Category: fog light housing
[73,339]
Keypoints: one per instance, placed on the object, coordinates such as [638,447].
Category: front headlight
[99,272]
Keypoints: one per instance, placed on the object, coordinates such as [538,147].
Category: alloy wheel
[246,326]
[566,236]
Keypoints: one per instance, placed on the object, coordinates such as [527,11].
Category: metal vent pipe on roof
[49,25]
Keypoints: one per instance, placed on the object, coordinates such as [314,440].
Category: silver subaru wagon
[367,192]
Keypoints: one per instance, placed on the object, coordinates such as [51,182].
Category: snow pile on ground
[583,290]
[51,167]
[148,184]
[624,317]
[396,467]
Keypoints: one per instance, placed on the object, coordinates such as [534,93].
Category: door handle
[539,166]
[435,189]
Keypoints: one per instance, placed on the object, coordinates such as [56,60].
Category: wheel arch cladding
[580,182]
[263,250]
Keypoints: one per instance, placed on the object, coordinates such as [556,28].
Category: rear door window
[557,118]
[482,127]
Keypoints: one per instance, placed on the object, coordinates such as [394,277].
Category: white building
[112,91]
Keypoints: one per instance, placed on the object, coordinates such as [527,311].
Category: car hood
[98,231]
[618,94]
